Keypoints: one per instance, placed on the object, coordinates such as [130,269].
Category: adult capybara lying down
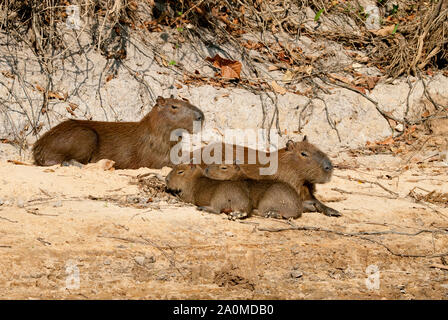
[130,144]
[300,164]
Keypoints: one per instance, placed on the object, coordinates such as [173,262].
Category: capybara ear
[237,163]
[289,145]
[160,100]
[193,164]
[305,138]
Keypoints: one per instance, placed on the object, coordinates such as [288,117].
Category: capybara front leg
[209,209]
[236,215]
[320,207]
[308,206]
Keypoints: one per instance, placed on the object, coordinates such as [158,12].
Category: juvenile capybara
[271,198]
[214,196]
[300,164]
[130,144]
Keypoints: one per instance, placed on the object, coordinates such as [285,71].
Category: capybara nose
[198,116]
[328,166]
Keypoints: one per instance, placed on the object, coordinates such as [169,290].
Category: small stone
[20,203]
[229,234]
[165,171]
[57,204]
[1,202]
[399,127]
[444,286]
[140,260]
[107,262]
[295,274]
[402,288]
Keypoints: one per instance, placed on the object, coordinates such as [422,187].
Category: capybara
[130,144]
[214,196]
[271,198]
[300,164]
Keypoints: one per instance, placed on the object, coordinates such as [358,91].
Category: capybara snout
[181,177]
[313,164]
[179,112]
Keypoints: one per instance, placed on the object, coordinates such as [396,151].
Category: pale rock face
[128,98]
[373,20]
[373,14]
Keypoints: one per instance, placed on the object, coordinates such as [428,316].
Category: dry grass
[420,40]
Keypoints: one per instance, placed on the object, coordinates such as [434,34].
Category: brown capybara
[130,144]
[271,198]
[231,197]
[300,164]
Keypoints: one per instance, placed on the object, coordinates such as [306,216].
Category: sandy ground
[60,222]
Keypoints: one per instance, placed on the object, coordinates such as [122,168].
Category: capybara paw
[273,214]
[207,209]
[331,212]
[235,215]
[71,163]
[308,206]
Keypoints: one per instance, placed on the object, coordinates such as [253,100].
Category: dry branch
[361,235]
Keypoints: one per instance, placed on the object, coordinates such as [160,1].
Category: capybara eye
[173,107]
[304,154]
[180,172]
[223,168]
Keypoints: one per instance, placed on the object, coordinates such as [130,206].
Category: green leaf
[318,14]
[180,29]
[394,9]
[172,63]
[395,29]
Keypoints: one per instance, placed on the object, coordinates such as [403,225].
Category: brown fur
[130,144]
[300,164]
[270,197]
[213,195]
